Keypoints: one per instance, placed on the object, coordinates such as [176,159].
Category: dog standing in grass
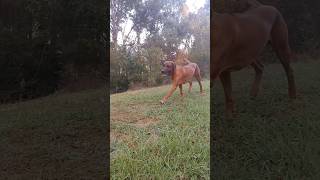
[180,74]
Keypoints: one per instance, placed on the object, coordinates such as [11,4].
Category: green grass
[273,137]
[57,137]
[153,141]
[63,136]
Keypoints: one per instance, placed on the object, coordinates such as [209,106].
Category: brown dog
[237,41]
[180,75]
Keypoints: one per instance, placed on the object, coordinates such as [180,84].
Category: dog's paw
[161,102]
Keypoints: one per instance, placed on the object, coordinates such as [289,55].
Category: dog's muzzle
[165,73]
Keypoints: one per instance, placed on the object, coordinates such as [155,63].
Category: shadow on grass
[273,137]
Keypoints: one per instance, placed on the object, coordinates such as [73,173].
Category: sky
[193,5]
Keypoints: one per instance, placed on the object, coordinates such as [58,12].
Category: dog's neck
[173,72]
[172,75]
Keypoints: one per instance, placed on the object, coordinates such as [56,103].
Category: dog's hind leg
[214,74]
[190,86]
[181,92]
[258,68]
[198,77]
[225,79]
[280,43]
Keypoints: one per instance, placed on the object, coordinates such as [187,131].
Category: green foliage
[200,29]
[40,39]
[153,56]
[166,28]
[118,77]
[127,69]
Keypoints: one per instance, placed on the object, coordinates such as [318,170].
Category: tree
[40,40]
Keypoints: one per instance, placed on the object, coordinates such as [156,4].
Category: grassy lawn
[64,136]
[273,137]
[56,137]
[153,141]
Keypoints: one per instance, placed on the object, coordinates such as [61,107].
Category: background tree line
[158,28]
[47,45]
[302,18]
[50,45]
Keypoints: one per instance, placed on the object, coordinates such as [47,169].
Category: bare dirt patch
[114,136]
[131,115]
[145,122]
[121,137]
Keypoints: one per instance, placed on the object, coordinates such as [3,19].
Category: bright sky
[193,5]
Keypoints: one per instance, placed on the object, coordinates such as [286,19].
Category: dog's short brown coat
[180,75]
[238,39]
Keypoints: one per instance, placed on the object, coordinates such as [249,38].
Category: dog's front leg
[166,97]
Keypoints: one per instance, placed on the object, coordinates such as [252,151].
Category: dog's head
[168,67]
